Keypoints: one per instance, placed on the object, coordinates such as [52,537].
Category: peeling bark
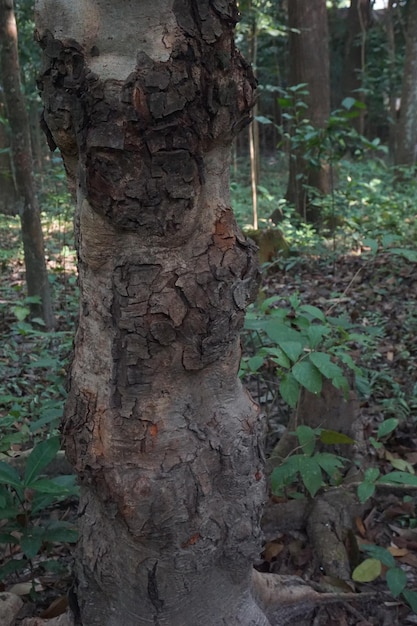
[165,441]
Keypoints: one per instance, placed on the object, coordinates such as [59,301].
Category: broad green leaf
[39,458]
[371,474]
[313,311]
[12,566]
[52,487]
[411,598]
[307,439]
[255,362]
[372,244]
[323,363]
[386,427]
[31,542]
[311,475]
[262,119]
[380,553]
[367,571]
[289,390]
[63,534]
[284,475]
[409,255]
[315,334]
[365,491]
[277,331]
[292,349]
[333,437]
[330,463]
[308,376]
[402,478]
[9,475]
[402,465]
[280,358]
[396,580]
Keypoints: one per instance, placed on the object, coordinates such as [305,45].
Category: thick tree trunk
[407,125]
[36,275]
[309,63]
[143,99]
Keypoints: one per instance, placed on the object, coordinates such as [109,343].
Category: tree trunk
[407,125]
[309,63]
[33,246]
[143,100]
[8,193]
[358,24]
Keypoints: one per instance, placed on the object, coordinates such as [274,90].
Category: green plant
[23,500]
[313,467]
[372,567]
[302,344]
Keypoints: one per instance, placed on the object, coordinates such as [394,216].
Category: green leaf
[31,542]
[289,390]
[382,554]
[12,566]
[40,457]
[402,478]
[311,474]
[323,363]
[292,349]
[332,437]
[308,376]
[367,571]
[386,427]
[409,255]
[60,534]
[277,331]
[255,362]
[315,334]
[365,491]
[307,439]
[330,463]
[284,475]
[44,485]
[396,580]
[372,244]
[9,476]
[371,474]
[313,311]
[411,598]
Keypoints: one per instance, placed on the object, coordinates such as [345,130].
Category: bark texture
[407,125]
[309,63]
[143,99]
[33,245]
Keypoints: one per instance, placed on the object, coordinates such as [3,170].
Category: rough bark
[143,99]
[407,125]
[32,236]
[309,63]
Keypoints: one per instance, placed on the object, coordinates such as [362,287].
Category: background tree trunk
[358,22]
[309,63]
[8,193]
[33,246]
[163,436]
[407,125]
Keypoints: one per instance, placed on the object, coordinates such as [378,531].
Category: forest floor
[376,292]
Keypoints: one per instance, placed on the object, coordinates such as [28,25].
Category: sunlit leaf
[333,437]
[367,571]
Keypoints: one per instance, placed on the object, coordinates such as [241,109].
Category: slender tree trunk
[8,194]
[358,23]
[33,246]
[143,100]
[407,125]
[309,63]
